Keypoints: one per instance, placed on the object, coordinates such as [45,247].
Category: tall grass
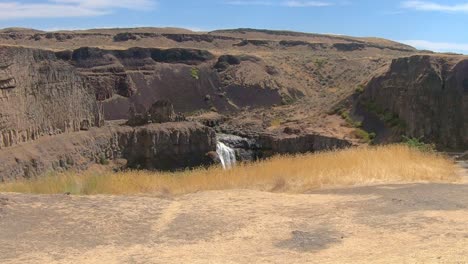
[395,163]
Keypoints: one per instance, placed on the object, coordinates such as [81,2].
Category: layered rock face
[266,145]
[186,77]
[430,94]
[40,95]
[293,144]
[168,146]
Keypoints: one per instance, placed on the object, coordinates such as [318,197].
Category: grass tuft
[383,164]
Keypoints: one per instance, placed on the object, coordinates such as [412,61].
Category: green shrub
[320,63]
[360,89]
[103,160]
[418,143]
[363,135]
[195,73]
[287,100]
[386,116]
[347,117]
[337,109]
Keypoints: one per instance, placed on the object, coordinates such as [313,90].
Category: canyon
[63,96]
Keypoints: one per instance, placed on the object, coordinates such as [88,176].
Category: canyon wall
[429,94]
[168,146]
[190,78]
[41,95]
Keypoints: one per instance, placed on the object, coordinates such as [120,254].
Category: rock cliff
[189,78]
[429,94]
[41,95]
[266,145]
[168,146]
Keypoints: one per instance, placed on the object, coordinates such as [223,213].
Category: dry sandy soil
[399,223]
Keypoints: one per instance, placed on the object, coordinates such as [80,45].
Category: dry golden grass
[280,174]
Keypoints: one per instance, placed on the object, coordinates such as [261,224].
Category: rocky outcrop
[349,46]
[266,145]
[246,149]
[41,95]
[168,146]
[225,61]
[295,43]
[161,111]
[196,37]
[428,93]
[125,36]
[253,42]
[107,70]
[301,143]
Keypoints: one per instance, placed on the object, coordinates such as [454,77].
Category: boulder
[161,112]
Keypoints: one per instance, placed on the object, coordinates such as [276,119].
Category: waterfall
[226,155]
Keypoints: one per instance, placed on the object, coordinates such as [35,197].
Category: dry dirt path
[404,223]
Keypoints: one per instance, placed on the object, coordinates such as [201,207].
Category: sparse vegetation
[365,136]
[287,100]
[195,73]
[337,109]
[360,89]
[103,160]
[319,63]
[397,163]
[385,115]
[197,112]
[276,122]
[418,143]
[349,120]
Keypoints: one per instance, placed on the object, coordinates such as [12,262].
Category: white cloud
[306,3]
[264,3]
[431,6]
[438,46]
[129,4]
[68,8]
[282,3]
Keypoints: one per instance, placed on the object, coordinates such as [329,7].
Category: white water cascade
[226,155]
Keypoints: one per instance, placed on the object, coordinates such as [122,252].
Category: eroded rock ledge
[168,146]
[266,145]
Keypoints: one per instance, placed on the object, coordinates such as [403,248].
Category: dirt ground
[395,223]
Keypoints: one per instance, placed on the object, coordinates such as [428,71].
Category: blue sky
[438,25]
